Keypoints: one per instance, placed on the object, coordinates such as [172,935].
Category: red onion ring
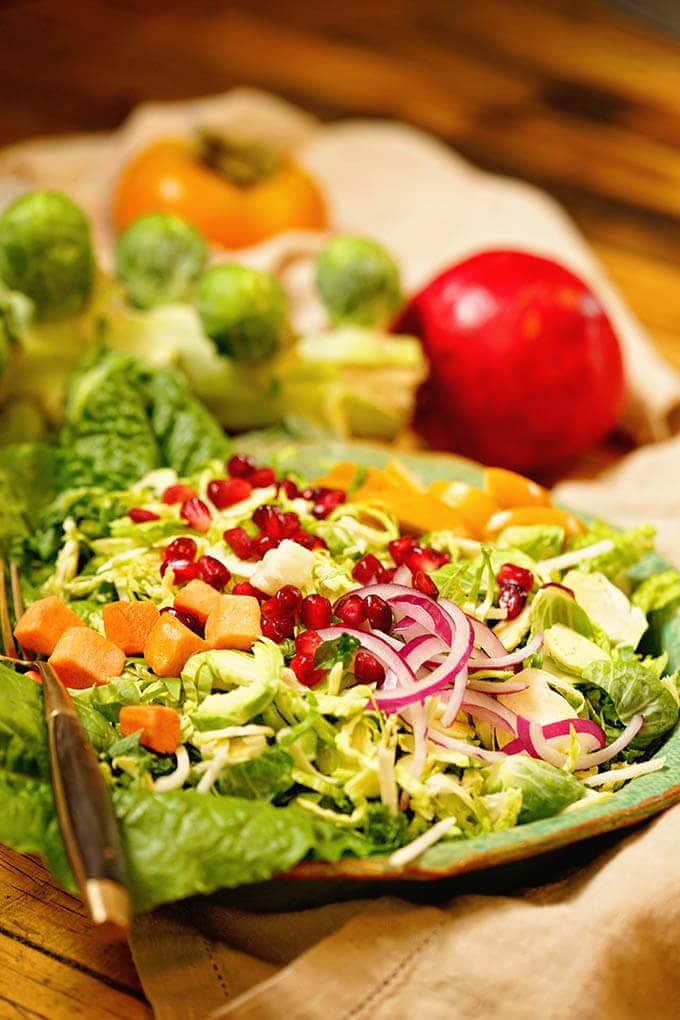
[509,659]
[471,750]
[485,707]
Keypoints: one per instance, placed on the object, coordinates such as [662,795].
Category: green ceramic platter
[638,800]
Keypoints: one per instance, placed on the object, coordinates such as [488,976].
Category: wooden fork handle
[86,818]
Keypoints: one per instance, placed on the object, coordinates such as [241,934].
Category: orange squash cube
[197,598]
[128,624]
[82,658]
[40,627]
[234,623]
[170,644]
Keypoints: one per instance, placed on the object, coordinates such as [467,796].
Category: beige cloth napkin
[600,941]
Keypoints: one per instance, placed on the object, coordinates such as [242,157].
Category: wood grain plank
[36,913]
[46,986]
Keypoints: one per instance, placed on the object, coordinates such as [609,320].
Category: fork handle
[86,818]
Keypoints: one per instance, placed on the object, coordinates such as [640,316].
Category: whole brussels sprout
[358,281]
[245,312]
[46,253]
[159,258]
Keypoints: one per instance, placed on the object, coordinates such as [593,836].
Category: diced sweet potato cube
[128,624]
[83,658]
[170,644]
[234,623]
[43,623]
[197,598]
[158,723]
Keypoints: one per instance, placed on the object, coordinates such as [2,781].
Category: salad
[275,668]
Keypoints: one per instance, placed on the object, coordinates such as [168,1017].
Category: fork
[84,809]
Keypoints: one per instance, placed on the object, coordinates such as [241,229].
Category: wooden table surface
[568,94]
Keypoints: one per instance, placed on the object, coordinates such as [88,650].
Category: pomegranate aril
[326,502]
[275,630]
[368,568]
[214,571]
[399,548]
[188,619]
[262,477]
[291,524]
[177,494]
[307,642]
[239,541]
[367,669]
[240,466]
[316,612]
[308,541]
[423,583]
[138,515]
[246,588]
[284,604]
[510,573]
[350,609]
[388,575]
[196,513]
[512,599]
[262,544]
[224,492]
[290,488]
[425,559]
[270,520]
[302,665]
[183,570]
[378,613]
[183,548]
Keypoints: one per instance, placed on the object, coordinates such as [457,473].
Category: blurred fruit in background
[236,193]
[525,368]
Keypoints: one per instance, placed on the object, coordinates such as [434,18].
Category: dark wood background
[572,95]
[569,94]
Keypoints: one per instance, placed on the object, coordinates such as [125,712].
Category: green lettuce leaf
[629,548]
[657,592]
[261,778]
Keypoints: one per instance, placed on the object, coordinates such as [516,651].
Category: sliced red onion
[378,647]
[418,721]
[421,649]
[588,761]
[484,636]
[562,727]
[509,659]
[536,740]
[497,686]
[463,747]
[455,698]
[402,575]
[484,707]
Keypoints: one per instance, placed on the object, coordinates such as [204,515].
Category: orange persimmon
[509,489]
[527,515]
[235,194]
